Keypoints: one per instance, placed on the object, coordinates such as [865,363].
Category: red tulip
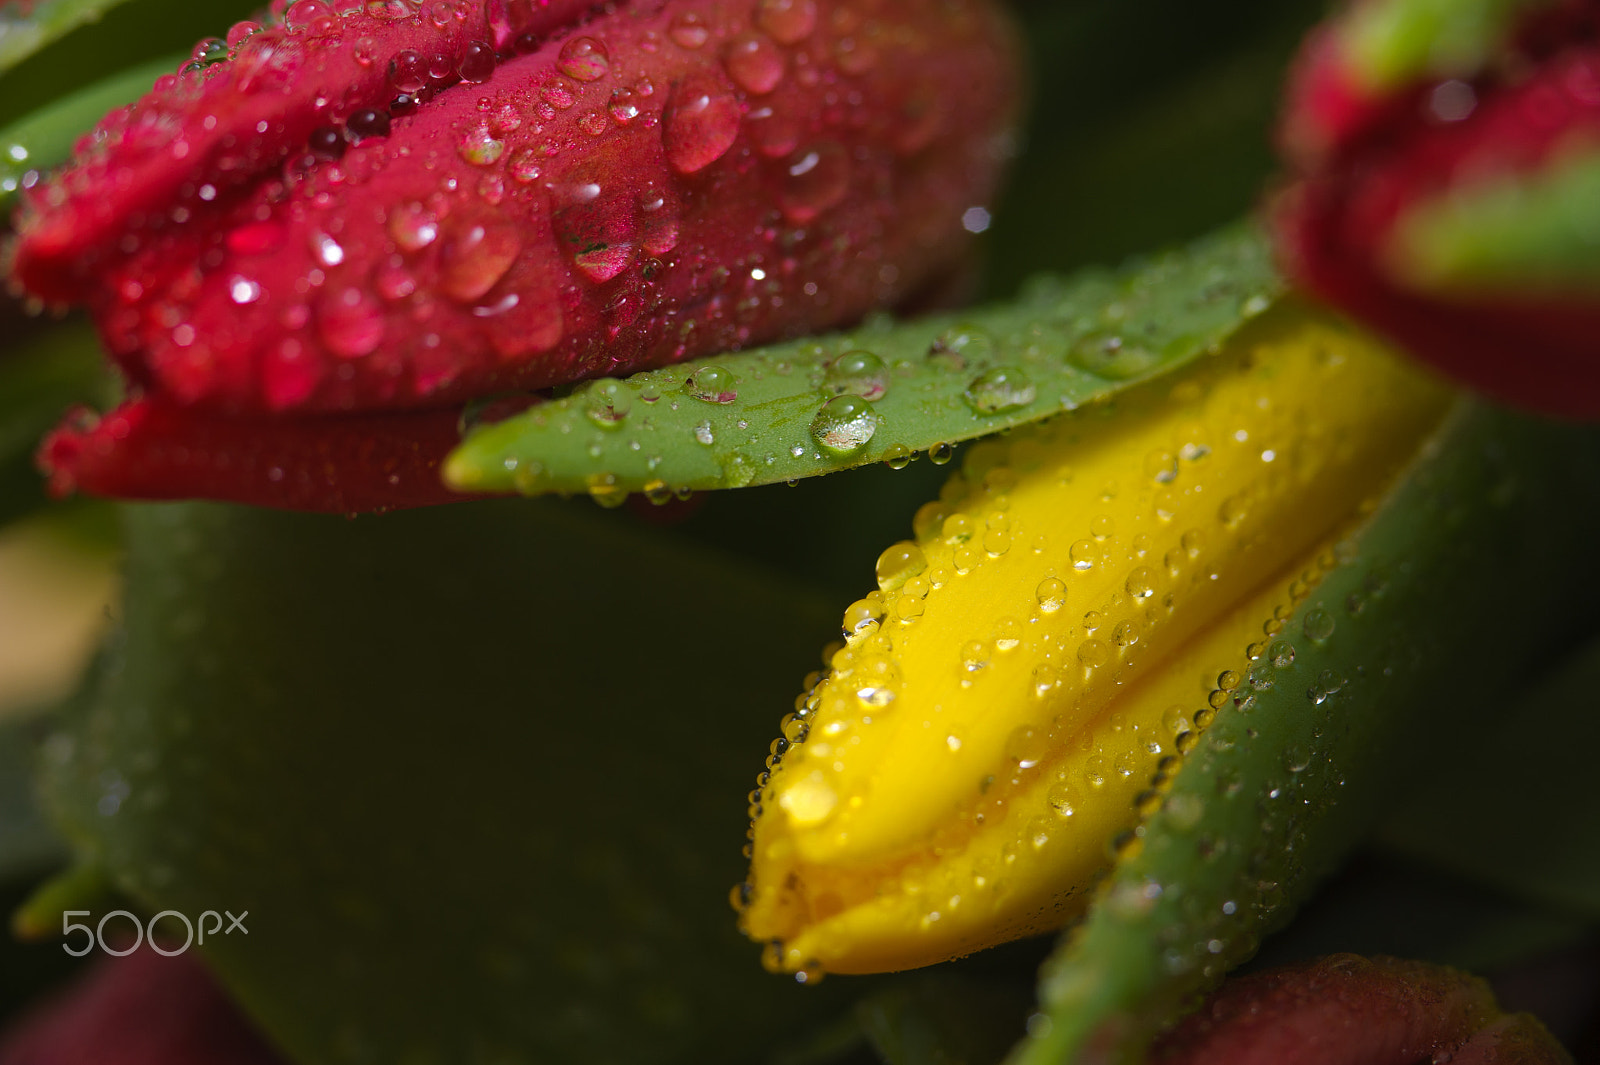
[143,1009]
[1347,1010]
[1442,190]
[398,207]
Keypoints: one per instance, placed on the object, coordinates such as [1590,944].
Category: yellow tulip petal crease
[1081,600]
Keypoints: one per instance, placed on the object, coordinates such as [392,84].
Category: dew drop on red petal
[700,124]
[787,21]
[689,30]
[584,59]
[349,321]
[474,254]
[815,179]
[476,64]
[754,63]
[408,71]
[659,222]
[774,135]
[413,227]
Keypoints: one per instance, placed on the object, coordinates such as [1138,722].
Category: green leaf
[26,28]
[333,724]
[883,392]
[52,371]
[44,139]
[1500,806]
[1429,614]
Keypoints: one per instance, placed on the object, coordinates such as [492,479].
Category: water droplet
[857,373]
[408,71]
[584,59]
[475,255]
[1282,654]
[754,63]
[328,251]
[787,21]
[1093,653]
[1000,389]
[1064,799]
[349,321]
[704,435]
[815,178]
[711,384]
[1007,634]
[845,424]
[607,403]
[1318,625]
[898,564]
[1084,554]
[700,124]
[242,290]
[479,147]
[974,655]
[1141,583]
[367,124]
[1052,595]
[413,227]
[477,63]
[689,30]
[1111,356]
[808,800]
[940,454]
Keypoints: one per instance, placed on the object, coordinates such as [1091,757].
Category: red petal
[668,180]
[1347,1010]
[152,449]
[143,1009]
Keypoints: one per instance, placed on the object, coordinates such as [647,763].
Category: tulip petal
[1484,527]
[151,449]
[579,191]
[1076,602]
[879,393]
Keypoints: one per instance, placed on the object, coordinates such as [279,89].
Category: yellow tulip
[1083,597]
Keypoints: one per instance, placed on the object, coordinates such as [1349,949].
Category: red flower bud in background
[1446,165]
[143,1009]
[1348,1010]
[307,254]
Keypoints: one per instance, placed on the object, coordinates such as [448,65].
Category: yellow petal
[1083,596]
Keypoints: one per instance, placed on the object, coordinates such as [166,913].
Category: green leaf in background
[44,139]
[26,26]
[1404,643]
[473,770]
[880,393]
[1500,805]
[55,369]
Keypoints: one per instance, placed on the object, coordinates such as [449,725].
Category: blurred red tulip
[1445,164]
[1348,1010]
[143,1009]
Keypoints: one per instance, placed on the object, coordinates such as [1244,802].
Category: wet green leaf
[45,138]
[1501,804]
[330,723]
[1485,527]
[55,369]
[882,393]
[25,28]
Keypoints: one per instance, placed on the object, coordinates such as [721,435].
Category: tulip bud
[399,207]
[1076,608]
[1445,168]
